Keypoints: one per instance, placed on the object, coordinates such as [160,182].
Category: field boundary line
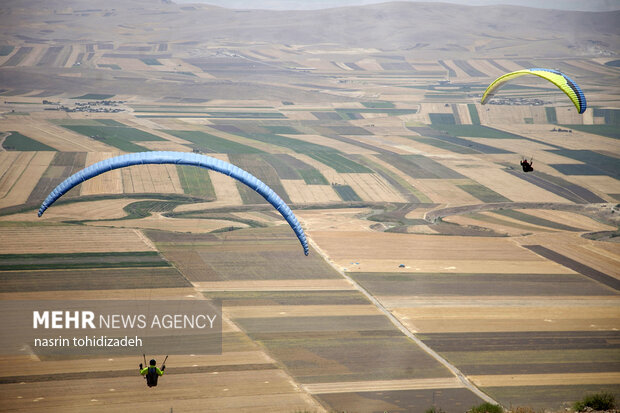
[456,372]
[147,241]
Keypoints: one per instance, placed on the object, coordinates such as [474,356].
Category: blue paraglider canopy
[180,158]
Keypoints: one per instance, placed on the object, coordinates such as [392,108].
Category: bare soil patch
[66,239]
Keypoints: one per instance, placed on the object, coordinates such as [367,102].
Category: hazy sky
[584,5]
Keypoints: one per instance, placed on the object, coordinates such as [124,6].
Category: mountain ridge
[385,26]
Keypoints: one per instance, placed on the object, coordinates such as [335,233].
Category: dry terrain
[439,273]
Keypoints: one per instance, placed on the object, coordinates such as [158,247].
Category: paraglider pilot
[151,373]
[527,166]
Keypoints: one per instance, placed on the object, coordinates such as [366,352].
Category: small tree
[597,401]
[486,408]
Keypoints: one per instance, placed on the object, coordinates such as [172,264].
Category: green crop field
[282,129]
[605,163]
[483,193]
[313,177]
[142,209]
[576,169]
[183,73]
[419,166]
[346,193]
[344,129]
[18,142]
[207,142]
[324,154]
[289,167]
[496,220]
[6,50]
[105,132]
[110,122]
[327,115]
[284,164]
[117,136]
[378,105]
[532,219]
[109,66]
[13,262]
[286,142]
[443,145]
[473,114]
[609,131]
[552,116]
[613,63]
[339,162]
[216,216]
[408,167]
[442,118]
[195,181]
[469,69]
[611,116]
[350,115]
[18,56]
[150,61]
[451,72]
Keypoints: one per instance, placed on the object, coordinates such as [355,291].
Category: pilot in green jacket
[151,373]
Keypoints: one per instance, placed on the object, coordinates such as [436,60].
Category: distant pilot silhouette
[527,166]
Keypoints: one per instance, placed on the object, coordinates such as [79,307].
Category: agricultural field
[15,141]
[478,320]
[439,274]
[321,336]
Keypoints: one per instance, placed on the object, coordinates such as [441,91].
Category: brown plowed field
[68,239]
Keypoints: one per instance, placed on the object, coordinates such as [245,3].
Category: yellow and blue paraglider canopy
[566,85]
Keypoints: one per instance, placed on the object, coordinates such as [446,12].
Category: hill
[427,27]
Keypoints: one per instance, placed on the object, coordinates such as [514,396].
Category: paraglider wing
[566,85]
[180,158]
